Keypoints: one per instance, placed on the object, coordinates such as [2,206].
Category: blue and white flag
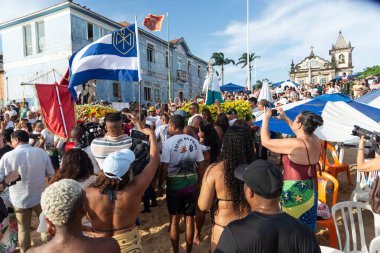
[112,57]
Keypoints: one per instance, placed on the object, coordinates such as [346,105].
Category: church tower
[341,56]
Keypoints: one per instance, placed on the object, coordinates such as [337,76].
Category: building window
[150,52]
[301,82]
[27,34]
[97,32]
[189,67]
[179,62]
[341,58]
[157,95]
[324,80]
[147,93]
[116,90]
[167,58]
[313,80]
[199,71]
[90,32]
[40,31]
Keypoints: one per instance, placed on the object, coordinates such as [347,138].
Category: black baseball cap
[262,177]
[231,111]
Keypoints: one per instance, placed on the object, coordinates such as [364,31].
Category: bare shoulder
[39,249]
[108,245]
[214,170]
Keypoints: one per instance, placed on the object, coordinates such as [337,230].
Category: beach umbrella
[230,87]
[283,84]
[265,93]
[371,99]
[339,112]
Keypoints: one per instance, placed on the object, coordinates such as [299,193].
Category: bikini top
[294,171]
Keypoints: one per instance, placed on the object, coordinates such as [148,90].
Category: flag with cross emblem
[112,57]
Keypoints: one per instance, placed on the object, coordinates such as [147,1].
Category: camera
[368,135]
[34,136]
[92,131]
[274,112]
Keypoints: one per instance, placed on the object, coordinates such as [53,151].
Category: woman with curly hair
[221,192]
[210,141]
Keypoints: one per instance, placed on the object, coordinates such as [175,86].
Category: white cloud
[286,30]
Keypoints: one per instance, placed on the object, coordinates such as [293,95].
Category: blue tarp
[232,88]
[346,118]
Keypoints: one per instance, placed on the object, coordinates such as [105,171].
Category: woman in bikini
[300,158]
[114,199]
[221,192]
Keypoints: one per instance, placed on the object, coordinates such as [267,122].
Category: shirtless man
[114,199]
[64,206]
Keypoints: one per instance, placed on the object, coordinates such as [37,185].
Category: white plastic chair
[374,247]
[361,191]
[347,208]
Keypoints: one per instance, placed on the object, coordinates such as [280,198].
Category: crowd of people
[89,189]
[287,93]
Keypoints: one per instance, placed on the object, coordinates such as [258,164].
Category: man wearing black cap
[266,228]
[231,115]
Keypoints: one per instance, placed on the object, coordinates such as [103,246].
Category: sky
[280,30]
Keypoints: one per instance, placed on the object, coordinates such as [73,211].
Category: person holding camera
[300,157]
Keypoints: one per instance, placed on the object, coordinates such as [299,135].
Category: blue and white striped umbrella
[371,99]
[283,84]
[339,112]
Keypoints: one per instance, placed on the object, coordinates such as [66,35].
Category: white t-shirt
[10,124]
[153,119]
[32,121]
[161,133]
[49,138]
[92,158]
[181,152]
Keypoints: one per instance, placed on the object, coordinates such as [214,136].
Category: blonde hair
[59,199]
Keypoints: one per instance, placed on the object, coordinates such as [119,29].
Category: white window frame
[38,39]
[25,41]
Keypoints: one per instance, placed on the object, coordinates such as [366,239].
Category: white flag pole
[139,66]
[248,63]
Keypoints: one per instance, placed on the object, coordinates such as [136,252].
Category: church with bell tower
[314,69]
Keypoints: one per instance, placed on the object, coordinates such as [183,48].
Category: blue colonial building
[36,49]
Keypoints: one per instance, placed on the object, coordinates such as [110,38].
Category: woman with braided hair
[221,192]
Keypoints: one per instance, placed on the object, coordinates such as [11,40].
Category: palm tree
[243,60]
[221,61]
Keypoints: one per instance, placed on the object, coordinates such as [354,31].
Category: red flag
[54,115]
[153,22]
[66,78]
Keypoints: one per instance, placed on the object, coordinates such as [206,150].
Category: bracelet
[360,148]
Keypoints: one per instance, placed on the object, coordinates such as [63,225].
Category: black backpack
[142,153]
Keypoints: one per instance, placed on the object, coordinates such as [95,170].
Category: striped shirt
[102,147]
